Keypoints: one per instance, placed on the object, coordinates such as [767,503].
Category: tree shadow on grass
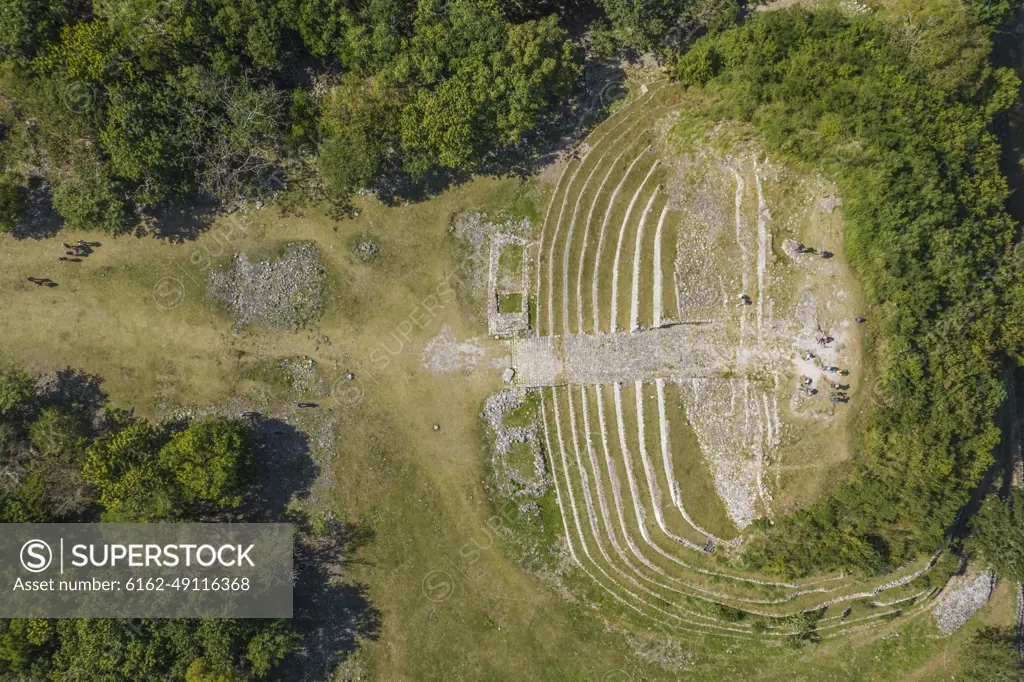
[1008,51]
[180,221]
[284,468]
[75,392]
[39,220]
[333,614]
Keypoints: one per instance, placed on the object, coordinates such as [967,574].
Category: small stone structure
[506,324]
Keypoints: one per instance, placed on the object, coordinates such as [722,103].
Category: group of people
[806,388]
[802,249]
[838,393]
[74,253]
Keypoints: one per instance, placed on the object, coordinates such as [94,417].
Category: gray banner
[146,570]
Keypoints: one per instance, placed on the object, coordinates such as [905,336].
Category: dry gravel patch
[286,293]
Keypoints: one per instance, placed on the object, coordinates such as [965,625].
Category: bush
[12,202]
[211,460]
[89,199]
[997,535]
[17,394]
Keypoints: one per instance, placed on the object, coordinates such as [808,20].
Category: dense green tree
[992,13]
[55,433]
[26,647]
[496,92]
[49,470]
[90,198]
[124,466]
[252,26]
[56,469]
[536,68]
[108,650]
[997,535]
[27,25]
[119,104]
[17,394]
[211,460]
[141,474]
[358,118]
[199,671]
[12,201]
[41,453]
[142,138]
[666,24]
[351,160]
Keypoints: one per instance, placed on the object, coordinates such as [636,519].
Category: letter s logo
[36,556]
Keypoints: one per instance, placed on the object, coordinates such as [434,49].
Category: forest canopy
[112,106]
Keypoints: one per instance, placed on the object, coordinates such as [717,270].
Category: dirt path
[676,352]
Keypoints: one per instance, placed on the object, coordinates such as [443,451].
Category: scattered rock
[829,204]
[963,596]
[509,480]
[444,355]
[285,294]
[364,249]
